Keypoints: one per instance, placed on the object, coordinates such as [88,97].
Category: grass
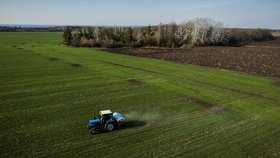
[46,104]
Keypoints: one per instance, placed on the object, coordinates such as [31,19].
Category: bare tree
[97,33]
[205,31]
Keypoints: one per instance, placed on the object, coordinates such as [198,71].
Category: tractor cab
[105,113]
[105,116]
[108,121]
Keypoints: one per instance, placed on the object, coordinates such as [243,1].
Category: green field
[46,104]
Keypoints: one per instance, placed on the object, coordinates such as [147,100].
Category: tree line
[197,32]
[30,29]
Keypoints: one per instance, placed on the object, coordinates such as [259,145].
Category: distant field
[258,58]
[49,92]
[276,34]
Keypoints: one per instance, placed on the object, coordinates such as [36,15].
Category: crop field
[48,92]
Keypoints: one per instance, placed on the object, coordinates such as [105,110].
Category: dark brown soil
[75,65]
[210,106]
[135,82]
[259,58]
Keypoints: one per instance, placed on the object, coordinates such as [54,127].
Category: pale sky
[233,13]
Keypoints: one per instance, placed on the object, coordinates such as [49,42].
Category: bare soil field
[259,58]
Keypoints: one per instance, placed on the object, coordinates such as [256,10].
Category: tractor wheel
[92,131]
[109,127]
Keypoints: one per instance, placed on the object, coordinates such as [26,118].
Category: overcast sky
[233,13]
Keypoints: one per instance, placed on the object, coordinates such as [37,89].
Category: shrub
[76,42]
[85,42]
[239,37]
[112,44]
[67,35]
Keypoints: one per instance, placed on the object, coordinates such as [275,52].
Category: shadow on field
[213,107]
[133,124]
[52,59]
[74,65]
[135,82]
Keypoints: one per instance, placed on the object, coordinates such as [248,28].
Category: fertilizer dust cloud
[135,119]
[141,116]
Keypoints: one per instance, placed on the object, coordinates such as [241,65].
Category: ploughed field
[49,92]
[259,58]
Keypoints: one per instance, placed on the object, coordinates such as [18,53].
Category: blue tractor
[107,122]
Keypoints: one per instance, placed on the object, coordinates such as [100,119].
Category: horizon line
[109,25]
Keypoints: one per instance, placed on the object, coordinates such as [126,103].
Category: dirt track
[260,58]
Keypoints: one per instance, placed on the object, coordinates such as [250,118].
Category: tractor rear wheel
[109,127]
[92,131]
